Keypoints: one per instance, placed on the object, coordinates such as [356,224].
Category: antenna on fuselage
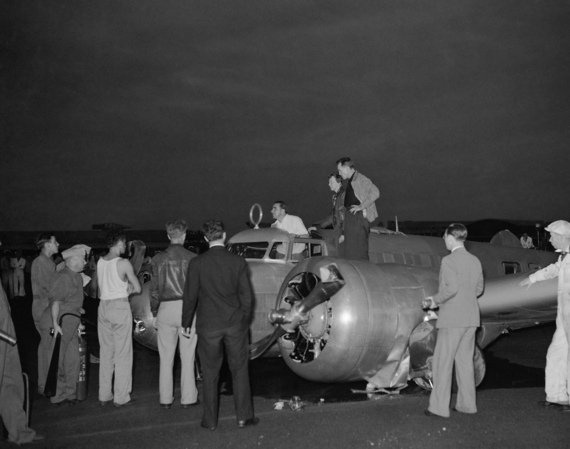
[255,222]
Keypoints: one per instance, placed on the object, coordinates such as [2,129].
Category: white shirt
[293,225]
[526,242]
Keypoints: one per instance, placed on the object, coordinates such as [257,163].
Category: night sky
[138,112]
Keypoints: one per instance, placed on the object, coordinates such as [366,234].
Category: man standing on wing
[336,217]
[359,200]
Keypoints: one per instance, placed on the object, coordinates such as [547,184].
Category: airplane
[337,320]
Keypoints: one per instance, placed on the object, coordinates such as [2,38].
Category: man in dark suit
[218,290]
[460,283]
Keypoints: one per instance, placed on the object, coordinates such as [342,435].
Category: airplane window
[249,250]
[534,266]
[316,250]
[511,267]
[278,251]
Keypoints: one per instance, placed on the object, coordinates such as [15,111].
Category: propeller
[290,319]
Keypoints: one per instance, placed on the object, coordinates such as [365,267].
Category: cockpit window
[249,250]
[278,251]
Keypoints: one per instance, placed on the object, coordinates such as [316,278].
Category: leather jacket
[336,218]
[168,275]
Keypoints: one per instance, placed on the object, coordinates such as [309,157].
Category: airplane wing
[504,305]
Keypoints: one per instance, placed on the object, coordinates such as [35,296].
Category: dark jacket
[168,275]
[218,291]
[336,218]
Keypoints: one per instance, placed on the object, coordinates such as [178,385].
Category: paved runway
[508,414]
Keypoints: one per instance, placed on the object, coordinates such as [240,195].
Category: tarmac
[332,416]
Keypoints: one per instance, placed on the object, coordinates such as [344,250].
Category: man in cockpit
[290,223]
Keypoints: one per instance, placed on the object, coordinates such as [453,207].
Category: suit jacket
[367,193]
[218,290]
[460,283]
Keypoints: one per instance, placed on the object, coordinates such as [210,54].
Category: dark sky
[139,111]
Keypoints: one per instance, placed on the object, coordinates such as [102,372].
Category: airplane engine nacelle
[362,332]
[143,330]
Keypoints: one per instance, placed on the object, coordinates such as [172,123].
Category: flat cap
[76,250]
[561,227]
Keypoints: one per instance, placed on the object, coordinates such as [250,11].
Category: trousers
[557,372]
[114,329]
[169,326]
[453,346]
[356,230]
[68,367]
[211,352]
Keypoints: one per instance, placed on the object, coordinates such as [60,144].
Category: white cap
[76,250]
[560,227]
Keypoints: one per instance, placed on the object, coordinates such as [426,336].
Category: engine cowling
[362,332]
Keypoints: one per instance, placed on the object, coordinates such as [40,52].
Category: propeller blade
[259,347]
[321,293]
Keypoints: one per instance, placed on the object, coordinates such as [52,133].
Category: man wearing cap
[65,296]
[117,280]
[168,278]
[359,200]
[557,373]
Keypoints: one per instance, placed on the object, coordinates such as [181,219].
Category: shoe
[194,404]
[104,403]
[60,403]
[38,437]
[72,401]
[207,427]
[126,404]
[548,404]
[565,408]
[433,415]
[248,422]
[165,406]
